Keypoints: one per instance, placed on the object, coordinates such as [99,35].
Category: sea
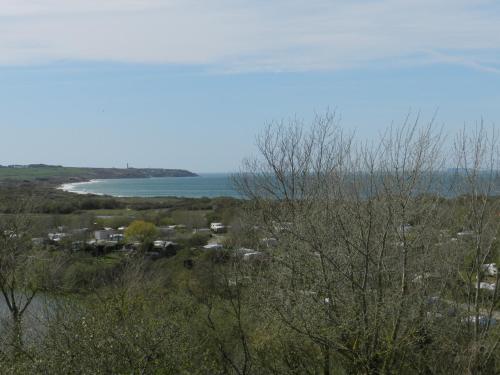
[208,185]
[213,185]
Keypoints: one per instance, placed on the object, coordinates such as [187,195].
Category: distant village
[105,240]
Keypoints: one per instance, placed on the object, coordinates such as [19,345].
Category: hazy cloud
[245,35]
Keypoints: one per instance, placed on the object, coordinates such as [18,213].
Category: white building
[217,227]
[57,237]
[117,237]
[167,231]
[160,244]
[487,286]
[482,319]
[248,254]
[465,233]
[213,246]
[104,235]
[252,255]
[490,269]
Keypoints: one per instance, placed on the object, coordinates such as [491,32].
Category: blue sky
[188,84]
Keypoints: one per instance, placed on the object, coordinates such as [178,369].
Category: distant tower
[127,166]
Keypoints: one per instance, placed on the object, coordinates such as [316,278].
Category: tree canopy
[142,232]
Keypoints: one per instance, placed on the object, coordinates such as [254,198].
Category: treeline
[47,200]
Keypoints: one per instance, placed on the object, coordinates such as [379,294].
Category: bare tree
[17,267]
[364,268]
[477,156]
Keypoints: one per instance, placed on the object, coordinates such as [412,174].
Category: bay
[208,185]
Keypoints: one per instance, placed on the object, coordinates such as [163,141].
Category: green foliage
[166,221]
[85,273]
[124,331]
[220,314]
[143,232]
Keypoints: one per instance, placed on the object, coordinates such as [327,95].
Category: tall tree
[18,262]
[365,269]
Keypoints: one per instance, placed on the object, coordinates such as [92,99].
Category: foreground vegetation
[324,270]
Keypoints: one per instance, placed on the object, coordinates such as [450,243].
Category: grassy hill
[65,174]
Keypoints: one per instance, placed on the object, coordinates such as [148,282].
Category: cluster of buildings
[114,239]
[243,253]
[110,238]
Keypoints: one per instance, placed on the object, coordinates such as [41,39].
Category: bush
[87,274]
[198,239]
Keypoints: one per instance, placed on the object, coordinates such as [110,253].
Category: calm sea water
[219,185]
[206,185]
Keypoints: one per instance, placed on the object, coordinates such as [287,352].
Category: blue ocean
[205,185]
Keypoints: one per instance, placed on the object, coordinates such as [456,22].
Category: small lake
[35,319]
[208,185]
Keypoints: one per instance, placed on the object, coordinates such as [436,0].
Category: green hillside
[59,173]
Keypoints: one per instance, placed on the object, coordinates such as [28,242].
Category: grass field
[41,172]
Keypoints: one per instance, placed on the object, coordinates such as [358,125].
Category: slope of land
[59,174]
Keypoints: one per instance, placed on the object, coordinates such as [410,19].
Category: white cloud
[252,34]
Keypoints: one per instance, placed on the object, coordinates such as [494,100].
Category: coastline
[212,185]
[70,187]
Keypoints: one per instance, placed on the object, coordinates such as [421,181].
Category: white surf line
[72,187]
